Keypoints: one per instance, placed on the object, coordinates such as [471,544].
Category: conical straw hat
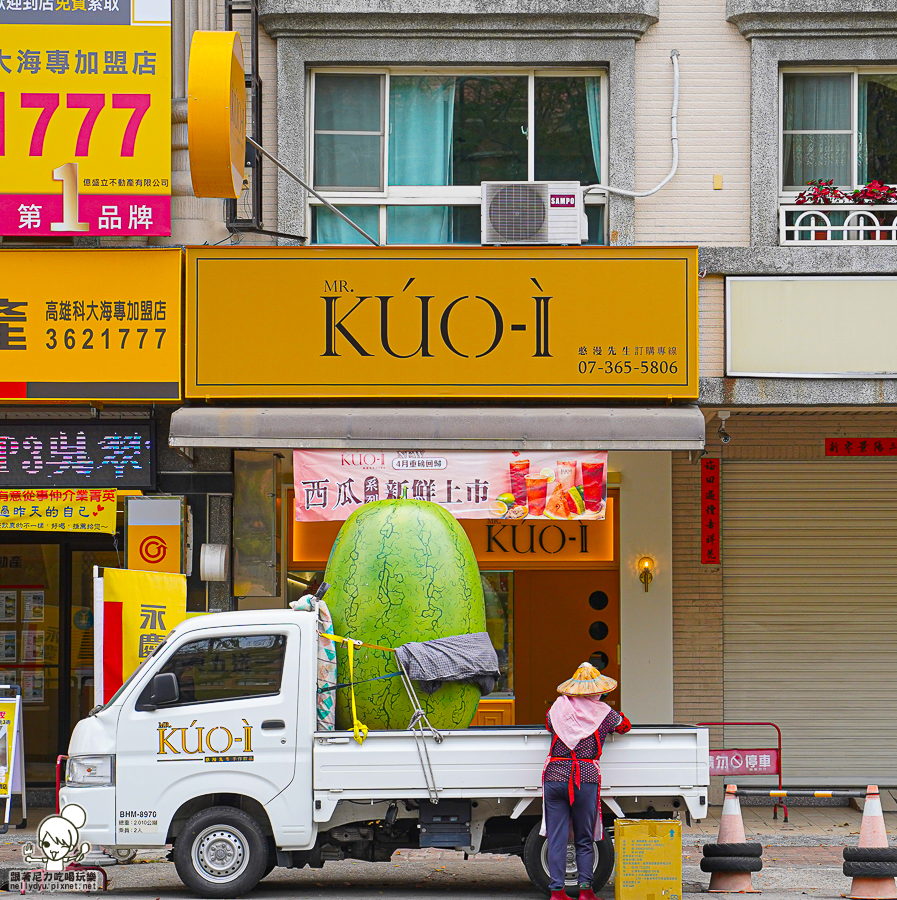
[587,680]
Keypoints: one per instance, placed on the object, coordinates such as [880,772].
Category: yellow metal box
[649,859]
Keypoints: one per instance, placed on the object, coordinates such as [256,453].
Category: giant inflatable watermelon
[400,571]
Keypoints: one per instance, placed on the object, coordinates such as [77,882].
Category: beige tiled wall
[714,127]
[712,326]
[697,607]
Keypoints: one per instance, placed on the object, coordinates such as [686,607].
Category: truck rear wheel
[221,853]
[535,860]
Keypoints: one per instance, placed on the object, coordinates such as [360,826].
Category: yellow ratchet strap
[359,729]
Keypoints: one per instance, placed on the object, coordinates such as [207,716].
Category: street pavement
[801,860]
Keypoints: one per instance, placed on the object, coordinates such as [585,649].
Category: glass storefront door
[30,646]
[81,699]
[46,639]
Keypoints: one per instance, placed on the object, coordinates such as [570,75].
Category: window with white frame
[839,124]
[403,152]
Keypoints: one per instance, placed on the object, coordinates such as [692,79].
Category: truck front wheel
[535,860]
[221,853]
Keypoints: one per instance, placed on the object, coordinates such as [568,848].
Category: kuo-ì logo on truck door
[196,740]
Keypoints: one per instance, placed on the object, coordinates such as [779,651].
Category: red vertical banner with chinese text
[710,512]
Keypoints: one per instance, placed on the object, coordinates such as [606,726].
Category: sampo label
[562,200]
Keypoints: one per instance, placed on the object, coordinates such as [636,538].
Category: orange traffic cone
[731,831]
[873,835]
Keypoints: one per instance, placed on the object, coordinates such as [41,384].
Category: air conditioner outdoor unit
[533,212]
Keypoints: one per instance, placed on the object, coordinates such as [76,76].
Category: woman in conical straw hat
[579,722]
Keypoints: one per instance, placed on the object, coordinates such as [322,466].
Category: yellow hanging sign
[216,114]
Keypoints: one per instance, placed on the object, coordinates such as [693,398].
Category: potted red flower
[876,193]
[821,193]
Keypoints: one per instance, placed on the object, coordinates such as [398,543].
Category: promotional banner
[85,122]
[133,614]
[58,510]
[471,484]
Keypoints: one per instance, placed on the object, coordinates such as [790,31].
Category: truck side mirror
[164,689]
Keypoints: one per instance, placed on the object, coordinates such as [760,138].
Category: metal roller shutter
[810,614]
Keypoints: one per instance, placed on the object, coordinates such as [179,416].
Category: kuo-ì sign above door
[459,322]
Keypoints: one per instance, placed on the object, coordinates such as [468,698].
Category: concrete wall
[646,632]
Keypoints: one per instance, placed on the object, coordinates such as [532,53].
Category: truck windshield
[129,679]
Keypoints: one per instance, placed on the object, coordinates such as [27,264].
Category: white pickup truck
[210,746]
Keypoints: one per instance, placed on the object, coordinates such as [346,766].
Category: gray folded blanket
[468,658]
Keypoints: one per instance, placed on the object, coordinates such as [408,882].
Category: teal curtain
[593,102]
[817,103]
[421,113]
[877,126]
[419,225]
[331,229]
[863,131]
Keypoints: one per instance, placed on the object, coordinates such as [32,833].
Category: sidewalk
[823,821]
[801,859]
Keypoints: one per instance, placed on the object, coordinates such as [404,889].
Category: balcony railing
[847,223]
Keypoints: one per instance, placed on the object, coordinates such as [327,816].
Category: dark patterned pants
[558,815]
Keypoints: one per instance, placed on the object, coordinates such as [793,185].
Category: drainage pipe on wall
[674,139]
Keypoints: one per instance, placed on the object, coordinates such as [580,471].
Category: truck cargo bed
[506,762]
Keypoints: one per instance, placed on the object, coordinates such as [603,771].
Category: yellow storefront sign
[216,110]
[85,130]
[459,322]
[90,325]
[58,510]
[153,603]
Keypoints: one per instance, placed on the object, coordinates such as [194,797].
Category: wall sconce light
[646,571]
